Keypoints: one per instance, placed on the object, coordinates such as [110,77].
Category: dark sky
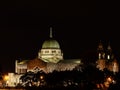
[77,25]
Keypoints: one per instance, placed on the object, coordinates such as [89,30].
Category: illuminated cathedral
[106,59]
[49,59]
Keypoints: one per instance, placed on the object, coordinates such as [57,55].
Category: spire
[51,32]
[100,43]
[109,47]
[100,46]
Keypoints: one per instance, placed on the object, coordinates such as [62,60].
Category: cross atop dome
[51,32]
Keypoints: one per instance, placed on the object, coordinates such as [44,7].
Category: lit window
[54,51]
[46,51]
[58,51]
[99,55]
[108,57]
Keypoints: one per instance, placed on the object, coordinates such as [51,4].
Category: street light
[6,78]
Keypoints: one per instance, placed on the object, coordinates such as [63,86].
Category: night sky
[78,26]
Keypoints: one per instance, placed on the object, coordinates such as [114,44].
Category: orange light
[109,79]
[41,77]
[6,77]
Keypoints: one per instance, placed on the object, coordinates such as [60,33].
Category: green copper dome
[50,44]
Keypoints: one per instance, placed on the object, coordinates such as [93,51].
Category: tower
[101,57]
[109,53]
[100,51]
[111,62]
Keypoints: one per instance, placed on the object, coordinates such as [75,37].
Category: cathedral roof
[23,62]
[36,62]
[77,61]
[50,44]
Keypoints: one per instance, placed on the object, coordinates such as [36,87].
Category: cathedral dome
[50,51]
[50,44]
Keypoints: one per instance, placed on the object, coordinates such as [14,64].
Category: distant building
[106,59]
[50,58]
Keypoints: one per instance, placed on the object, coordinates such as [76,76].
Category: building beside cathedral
[106,59]
[49,59]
